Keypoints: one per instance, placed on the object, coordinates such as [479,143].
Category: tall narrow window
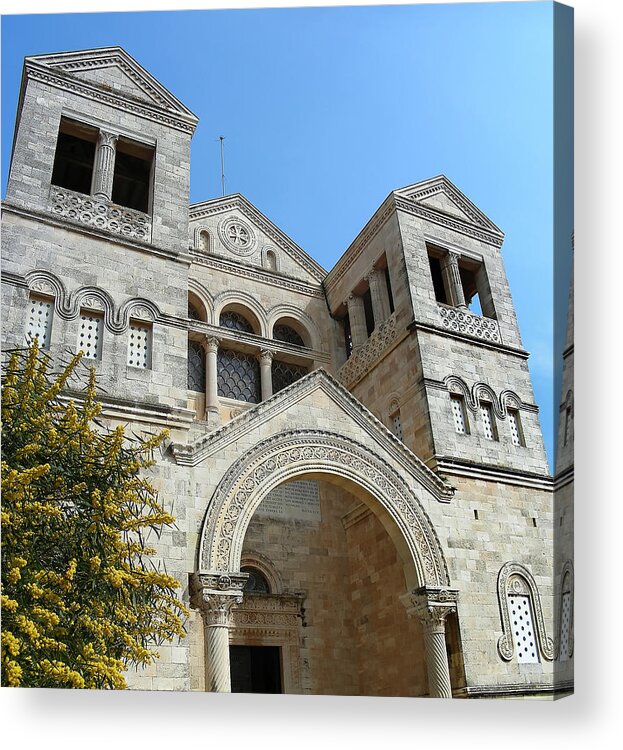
[139,345]
[524,636]
[90,334]
[348,339]
[40,321]
[396,424]
[515,427]
[458,412]
[204,241]
[488,421]
[390,295]
[132,177]
[369,312]
[75,156]
[196,367]
[567,421]
[271,260]
[565,621]
[437,277]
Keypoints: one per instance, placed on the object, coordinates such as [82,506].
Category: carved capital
[106,139]
[371,275]
[216,594]
[212,344]
[266,357]
[431,605]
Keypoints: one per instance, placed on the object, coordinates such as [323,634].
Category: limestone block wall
[83,263]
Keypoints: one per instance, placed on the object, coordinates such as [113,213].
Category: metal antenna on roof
[222,139]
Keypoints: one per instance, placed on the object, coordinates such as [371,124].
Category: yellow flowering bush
[81,598]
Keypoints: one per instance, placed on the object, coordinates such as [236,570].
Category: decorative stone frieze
[97,213]
[469,324]
[364,359]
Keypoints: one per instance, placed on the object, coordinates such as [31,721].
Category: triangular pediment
[299,404]
[114,71]
[262,233]
[440,196]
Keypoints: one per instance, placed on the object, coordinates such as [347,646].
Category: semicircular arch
[323,455]
[243,303]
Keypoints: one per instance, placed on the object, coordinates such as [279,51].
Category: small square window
[90,334]
[515,427]
[460,417]
[139,345]
[39,321]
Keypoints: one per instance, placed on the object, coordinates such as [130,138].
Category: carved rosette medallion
[237,236]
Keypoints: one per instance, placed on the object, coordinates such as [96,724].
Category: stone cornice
[61,79]
[515,689]
[238,268]
[208,445]
[451,466]
[564,477]
[239,202]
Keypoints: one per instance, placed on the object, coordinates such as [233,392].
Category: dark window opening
[282,332]
[437,276]
[196,367]
[235,321]
[255,669]
[369,312]
[257,583]
[132,176]
[389,290]
[284,374]
[470,289]
[238,376]
[348,339]
[75,156]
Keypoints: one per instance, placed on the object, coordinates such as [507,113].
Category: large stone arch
[323,455]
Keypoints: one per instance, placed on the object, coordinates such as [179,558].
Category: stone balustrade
[364,358]
[460,320]
[89,211]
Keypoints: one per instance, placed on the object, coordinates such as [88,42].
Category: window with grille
[196,367]
[284,374]
[286,333]
[515,427]
[488,421]
[235,321]
[396,424]
[40,321]
[90,334]
[458,412]
[238,376]
[524,636]
[257,583]
[565,624]
[139,345]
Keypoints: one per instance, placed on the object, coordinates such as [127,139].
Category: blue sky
[326,110]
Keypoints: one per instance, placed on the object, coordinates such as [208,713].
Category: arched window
[257,582]
[286,333]
[522,617]
[193,312]
[271,260]
[235,321]
[196,367]
[565,649]
[238,376]
[203,243]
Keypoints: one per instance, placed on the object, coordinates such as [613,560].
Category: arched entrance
[325,456]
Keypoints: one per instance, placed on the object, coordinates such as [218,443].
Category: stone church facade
[362,498]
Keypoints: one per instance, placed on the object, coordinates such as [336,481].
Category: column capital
[371,273]
[266,356]
[212,343]
[431,605]
[216,594]
[106,138]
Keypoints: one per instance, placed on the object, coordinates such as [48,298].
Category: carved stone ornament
[215,594]
[469,324]
[500,404]
[99,213]
[285,456]
[431,605]
[237,236]
[516,579]
[366,356]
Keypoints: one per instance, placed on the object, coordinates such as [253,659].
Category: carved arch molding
[297,452]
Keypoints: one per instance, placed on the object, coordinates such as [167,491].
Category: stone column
[216,595]
[266,373]
[432,606]
[357,316]
[379,295]
[452,276]
[212,403]
[104,165]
